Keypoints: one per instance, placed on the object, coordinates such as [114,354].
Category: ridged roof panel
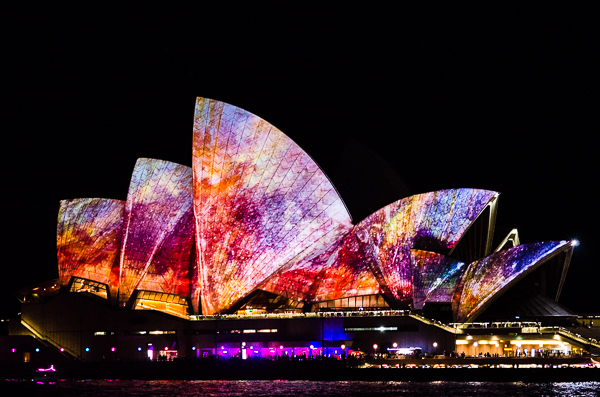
[259,201]
[432,221]
[485,278]
[157,229]
[434,277]
[88,239]
[300,277]
[348,272]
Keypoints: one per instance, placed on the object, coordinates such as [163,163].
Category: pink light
[52,369]
[13,350]
[112,349]
[166,348]
[62,349]
[281,347]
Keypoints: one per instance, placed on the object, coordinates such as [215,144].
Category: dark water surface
[298,388]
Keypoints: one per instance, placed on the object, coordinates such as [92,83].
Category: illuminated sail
[158,230]
[88,240]
[259,202]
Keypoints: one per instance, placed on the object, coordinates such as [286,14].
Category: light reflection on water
[228,388]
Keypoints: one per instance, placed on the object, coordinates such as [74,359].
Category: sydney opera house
[252,252]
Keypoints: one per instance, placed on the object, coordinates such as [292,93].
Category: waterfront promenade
[524,369]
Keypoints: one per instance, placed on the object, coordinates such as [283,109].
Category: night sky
[504,99]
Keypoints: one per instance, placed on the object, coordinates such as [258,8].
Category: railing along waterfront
[565,332]
[356,313]
[526,327]
[436,323]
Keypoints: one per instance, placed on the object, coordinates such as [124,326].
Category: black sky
[504,99]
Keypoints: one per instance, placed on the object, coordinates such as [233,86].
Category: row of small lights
[343,347]
[280,347]
[87,349]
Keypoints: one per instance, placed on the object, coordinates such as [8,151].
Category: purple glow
[375,256]
[434,277]
[157,229]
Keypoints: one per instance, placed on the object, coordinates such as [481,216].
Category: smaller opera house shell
[256,227]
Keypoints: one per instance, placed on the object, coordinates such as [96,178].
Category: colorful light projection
[300,278]
[435,277]
[157,230]
[484,279]
[265,216]
[348,272]
[432,221]
[88,239]
[375,256]
[259,202]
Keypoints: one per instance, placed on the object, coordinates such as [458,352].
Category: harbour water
[230,388]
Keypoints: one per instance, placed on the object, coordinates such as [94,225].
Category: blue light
[87,349]
[37,349]
[139,349]
[193,347]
